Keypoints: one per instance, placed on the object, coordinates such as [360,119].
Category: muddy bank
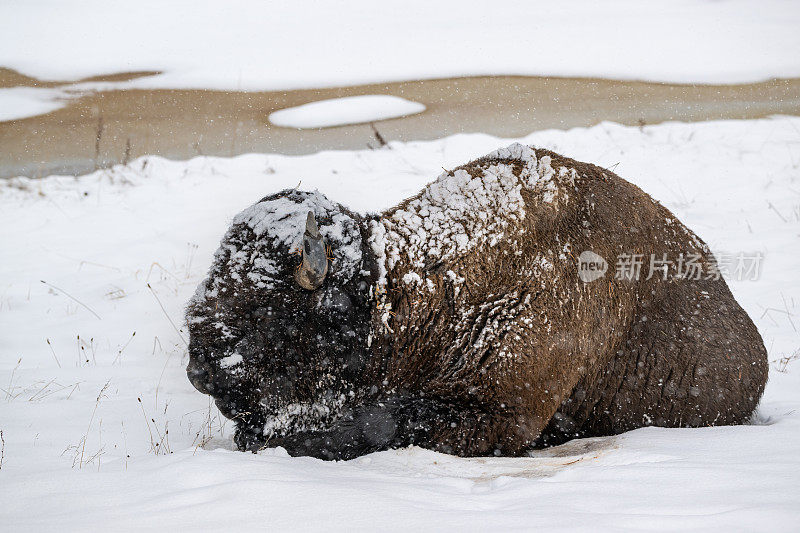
[104,128]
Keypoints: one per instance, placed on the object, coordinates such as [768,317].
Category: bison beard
[457,321]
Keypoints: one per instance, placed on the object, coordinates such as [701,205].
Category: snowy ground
[101,428]
[251,45]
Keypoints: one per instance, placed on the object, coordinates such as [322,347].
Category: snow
[460,211]
[253,45]
[23,102]
[285,220]
[231,360]
[101,428]
[442,221]
[302,417]
[343,111]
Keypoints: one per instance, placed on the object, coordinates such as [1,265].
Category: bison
[461,321]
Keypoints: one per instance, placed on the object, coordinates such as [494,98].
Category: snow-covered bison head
[459,321]
[279,328]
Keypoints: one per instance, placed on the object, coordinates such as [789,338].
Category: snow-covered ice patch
[24,102]
[344,111]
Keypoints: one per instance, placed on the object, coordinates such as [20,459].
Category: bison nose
[199,377]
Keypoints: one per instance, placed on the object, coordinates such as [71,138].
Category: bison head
[279,329]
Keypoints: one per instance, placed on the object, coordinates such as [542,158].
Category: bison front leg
[462,428]
[367,429]
[403,421]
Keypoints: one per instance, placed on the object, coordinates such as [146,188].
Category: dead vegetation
[78,451]
[782,363]
[159,439]
[378,137]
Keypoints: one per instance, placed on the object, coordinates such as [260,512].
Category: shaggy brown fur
[502,347]
[565,358]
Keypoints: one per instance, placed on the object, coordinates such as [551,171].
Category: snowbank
[252,45]
[102,429]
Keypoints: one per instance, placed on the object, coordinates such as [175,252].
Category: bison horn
[311,272]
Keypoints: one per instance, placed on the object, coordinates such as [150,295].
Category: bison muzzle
[461,320]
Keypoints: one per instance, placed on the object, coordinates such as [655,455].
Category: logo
[591,266]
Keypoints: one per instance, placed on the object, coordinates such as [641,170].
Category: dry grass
[159,439]
[782,363]
[213,424]
[79,456]
[68,295]
[122,349]
[10,395]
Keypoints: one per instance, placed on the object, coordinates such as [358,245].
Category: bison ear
[311,272]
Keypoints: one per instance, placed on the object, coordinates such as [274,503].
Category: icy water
[108,126]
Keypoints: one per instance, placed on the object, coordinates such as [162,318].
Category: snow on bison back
[463,321]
